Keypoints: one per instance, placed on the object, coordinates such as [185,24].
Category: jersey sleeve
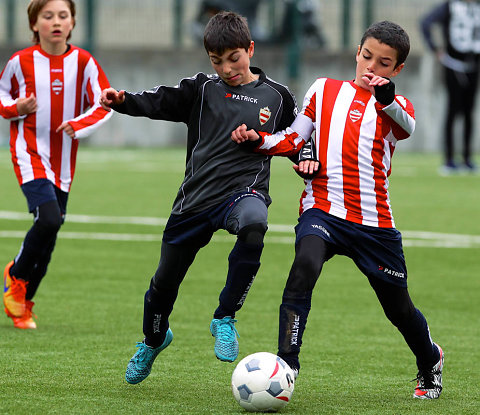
[290,140]
[95,116]
[9,91]
[286,142]
[164,102]
[400,116]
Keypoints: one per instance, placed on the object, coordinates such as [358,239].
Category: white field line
[116,220]
[410,238]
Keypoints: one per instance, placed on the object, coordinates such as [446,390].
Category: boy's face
[376,58]
[233,66]
[54,24]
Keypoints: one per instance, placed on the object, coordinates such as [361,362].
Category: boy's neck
[251,78]
[54,49]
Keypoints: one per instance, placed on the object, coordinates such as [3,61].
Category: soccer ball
[262,382]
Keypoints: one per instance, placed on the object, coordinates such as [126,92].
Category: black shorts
[40,191]
[234,213]
[377,252]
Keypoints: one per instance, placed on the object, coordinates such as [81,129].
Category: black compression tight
[310,255]
[32,261]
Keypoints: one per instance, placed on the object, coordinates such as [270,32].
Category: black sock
[244,262]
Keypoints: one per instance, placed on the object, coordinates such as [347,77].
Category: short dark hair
[392,35]
[226,30]
[33,11]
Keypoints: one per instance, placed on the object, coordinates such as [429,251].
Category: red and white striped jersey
[355,138]
[67,88]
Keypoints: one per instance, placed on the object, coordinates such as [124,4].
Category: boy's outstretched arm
[110,96]
[308,165]
[285,143]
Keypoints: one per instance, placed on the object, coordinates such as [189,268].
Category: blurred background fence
[143,43]
[166,24]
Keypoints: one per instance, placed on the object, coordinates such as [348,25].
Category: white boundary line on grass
[410,238]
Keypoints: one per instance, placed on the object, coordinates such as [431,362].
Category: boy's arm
[438,15]
[287,142]
[163,102]
[84,124]
[13,107]
[305,162]
[396,107]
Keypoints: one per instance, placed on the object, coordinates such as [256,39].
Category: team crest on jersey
[264,115]
[57,86]
[355,115]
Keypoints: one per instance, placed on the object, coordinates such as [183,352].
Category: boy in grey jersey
[225,187]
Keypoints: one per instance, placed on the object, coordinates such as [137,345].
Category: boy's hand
[26,106]
[383,89]
[385,93]
[111,96]
[308,164]
[307,169]
[67,128]
[240,134]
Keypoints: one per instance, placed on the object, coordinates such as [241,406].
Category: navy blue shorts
[377,252]
[197,229]
[40,191]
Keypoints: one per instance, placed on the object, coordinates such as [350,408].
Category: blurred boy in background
[459,53]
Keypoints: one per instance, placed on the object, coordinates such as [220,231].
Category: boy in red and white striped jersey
[345,209]
[50,93]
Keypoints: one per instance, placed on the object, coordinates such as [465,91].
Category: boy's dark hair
[33,11]
[226,30]
[392,35]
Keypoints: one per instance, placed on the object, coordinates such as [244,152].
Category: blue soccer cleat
[226,343]
[140,364]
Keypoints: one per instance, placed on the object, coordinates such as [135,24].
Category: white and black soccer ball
[262,382]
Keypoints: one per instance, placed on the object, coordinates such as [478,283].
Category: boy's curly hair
[392,35]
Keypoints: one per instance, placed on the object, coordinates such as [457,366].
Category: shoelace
[144,351]
[425,379]
[18,288]
[225,327]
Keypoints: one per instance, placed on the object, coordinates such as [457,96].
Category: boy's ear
[397,70]
[251,49]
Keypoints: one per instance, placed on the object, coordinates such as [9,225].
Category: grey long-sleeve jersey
[216,167]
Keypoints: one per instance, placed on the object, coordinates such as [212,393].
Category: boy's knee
[49,219]
[253,234]
[50,224]
[305,264]
[303,275]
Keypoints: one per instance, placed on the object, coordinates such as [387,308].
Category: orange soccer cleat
[26,321]
[14,291]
